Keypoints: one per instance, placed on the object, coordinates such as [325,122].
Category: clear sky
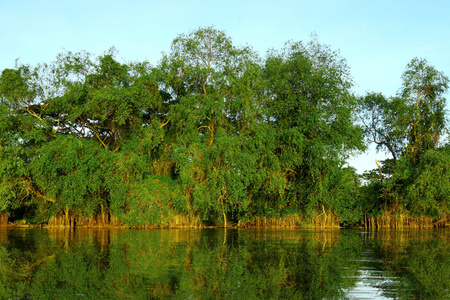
[377,38]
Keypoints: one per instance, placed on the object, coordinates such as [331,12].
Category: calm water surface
[223,264]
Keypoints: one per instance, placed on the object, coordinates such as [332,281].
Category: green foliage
[213,131]
[370,200]
[22,132]
[409,126]
[423,189]
[150,201]
[424,88]
[107,103]
[216,89]
[384,121]
[311,110]
[71,173]
[414,120]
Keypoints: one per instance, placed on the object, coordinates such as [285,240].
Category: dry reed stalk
[400,220]
[185,221]
[4,218]
[293,221]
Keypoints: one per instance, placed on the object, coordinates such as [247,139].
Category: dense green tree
[64,127]
[415,119]
[215,131]
[215,121]
[22,131]
[409,126]
[424,88]
[117,107]
[71,173]
[383,121]
[108,103]
[422,189]
[311,110]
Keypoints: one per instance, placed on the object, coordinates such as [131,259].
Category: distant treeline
[216,135]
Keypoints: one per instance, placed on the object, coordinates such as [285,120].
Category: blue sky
[377,38]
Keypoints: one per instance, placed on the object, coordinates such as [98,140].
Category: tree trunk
[224,216]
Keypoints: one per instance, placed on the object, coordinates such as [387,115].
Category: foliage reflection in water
[223,264]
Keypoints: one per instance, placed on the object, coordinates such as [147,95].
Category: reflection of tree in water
[220,264]
[419,262]
[158,264]
[271,265]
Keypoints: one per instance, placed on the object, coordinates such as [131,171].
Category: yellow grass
[294,221]
[4,219]
[390,220]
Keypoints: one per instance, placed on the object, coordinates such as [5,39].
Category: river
[223,264]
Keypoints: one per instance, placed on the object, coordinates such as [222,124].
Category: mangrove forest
[214,134]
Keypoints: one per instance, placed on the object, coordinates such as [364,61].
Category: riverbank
[385,221]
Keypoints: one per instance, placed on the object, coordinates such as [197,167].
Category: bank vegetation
[215,135]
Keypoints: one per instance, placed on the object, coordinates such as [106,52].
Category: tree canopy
[213,133]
